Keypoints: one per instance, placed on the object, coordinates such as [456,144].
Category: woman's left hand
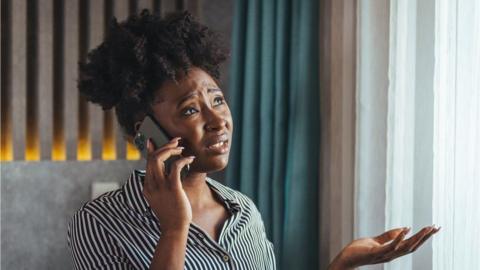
[382,248]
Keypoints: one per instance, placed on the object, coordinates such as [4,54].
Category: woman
[168,69]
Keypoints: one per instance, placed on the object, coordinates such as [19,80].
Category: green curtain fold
[274,98]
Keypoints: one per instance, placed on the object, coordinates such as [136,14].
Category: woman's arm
[170,250]
[170,203]
[380,249]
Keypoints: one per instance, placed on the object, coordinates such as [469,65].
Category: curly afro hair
[139,54]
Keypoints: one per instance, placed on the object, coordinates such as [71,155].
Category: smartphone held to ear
[151,129]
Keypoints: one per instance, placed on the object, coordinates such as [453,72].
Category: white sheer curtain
[456,186]
[418,127]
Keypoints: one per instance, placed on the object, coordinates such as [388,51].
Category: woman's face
[195,110]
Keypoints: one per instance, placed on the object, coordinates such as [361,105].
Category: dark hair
[139,54]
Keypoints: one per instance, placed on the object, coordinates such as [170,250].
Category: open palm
[383,248]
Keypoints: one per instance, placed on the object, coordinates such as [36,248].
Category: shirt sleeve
[91,246]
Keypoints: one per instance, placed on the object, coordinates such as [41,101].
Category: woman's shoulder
[107,202]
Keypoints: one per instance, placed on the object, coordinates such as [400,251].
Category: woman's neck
[197,190]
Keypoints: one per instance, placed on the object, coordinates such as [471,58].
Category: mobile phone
[150,128]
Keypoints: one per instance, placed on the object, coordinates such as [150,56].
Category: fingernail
[191,157]
[181,147]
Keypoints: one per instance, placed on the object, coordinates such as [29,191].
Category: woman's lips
[219,148]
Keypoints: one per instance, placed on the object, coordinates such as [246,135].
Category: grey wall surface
[37,201]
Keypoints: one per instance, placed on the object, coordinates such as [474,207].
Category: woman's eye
[219,100]
[189,111]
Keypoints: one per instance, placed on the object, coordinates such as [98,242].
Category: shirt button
[225,258]
[200,236]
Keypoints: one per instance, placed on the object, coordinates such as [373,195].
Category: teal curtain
[274,98]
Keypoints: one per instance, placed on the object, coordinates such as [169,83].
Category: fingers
[411,244]
[176,168]
[151,146]
[156,158]
[406,246]
[381,251]
[425,238]
[388,235]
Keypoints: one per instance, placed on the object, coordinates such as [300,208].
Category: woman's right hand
[165,193]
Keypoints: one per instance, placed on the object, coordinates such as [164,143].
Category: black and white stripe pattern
[118,230]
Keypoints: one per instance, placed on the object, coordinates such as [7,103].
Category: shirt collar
[133,190]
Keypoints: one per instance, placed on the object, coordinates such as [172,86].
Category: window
[418,127]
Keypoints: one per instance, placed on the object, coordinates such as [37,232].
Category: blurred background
[351,118]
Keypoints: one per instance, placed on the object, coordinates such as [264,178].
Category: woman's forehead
[196,80]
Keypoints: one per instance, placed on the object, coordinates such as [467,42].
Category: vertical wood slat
[168,6]
[84,143]
[145,4]
[70,66]
[121,11]
[32,142]
[109,140]
[131,152]
[45,76]
[19,41]
[132,6]
[194,7]
[6,82]
[96,31]
[58,149]
[157,7]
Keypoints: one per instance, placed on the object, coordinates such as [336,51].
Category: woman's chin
[212,164]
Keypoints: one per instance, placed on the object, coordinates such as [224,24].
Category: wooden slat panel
[157,6]
[180,4]
[84,149]
[96,14]
[45,76]
[58,151]
[71,41]
[19,41]
[132,6]
[145,4]
[131,151]
[168,6]
[109,140]
[6,82]
[32,142]
[194,7]
[121,11]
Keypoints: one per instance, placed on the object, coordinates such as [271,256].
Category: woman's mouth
[218,146]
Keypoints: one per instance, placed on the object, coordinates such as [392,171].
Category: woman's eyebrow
[192,94]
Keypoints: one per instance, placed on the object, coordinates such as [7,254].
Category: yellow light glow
[132,152]
[84,151]
[6,152]
[109,150]
[59,152]
[32,146]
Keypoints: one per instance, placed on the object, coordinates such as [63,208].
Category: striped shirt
[118,230]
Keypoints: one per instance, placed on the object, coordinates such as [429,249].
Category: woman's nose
[215,120]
